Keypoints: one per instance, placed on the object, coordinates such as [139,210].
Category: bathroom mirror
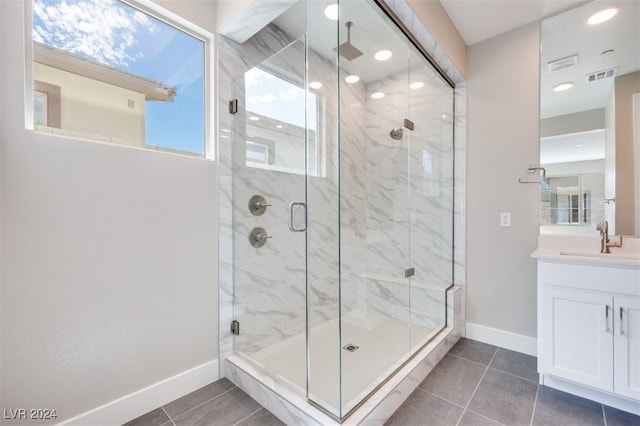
[589,102]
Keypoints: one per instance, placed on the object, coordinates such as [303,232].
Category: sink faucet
[605,245]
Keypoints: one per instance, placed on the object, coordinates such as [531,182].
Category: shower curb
[282,399]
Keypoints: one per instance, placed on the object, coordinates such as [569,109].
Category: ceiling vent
[601,75]
[564,63]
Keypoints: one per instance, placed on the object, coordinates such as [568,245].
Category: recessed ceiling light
[352,78]
[226,130]
[562,87]
[416,85]
[254,118]
[377,95]
[602,16]
[315,85]
[278,126]
[331,12]
[579,144]
[383,55]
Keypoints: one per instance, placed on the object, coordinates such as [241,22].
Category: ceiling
[572,147]
[478,20]
[567,35]
[563,33]
[369,34]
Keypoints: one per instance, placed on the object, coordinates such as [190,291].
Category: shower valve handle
[258,205]
[258,237]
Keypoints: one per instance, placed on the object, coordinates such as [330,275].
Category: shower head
[396,134]
[346,49]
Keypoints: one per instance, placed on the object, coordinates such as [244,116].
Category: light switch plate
[505,219]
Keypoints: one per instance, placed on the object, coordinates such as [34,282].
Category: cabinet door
[627,346]
[578,336]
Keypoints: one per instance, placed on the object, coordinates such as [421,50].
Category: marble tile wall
[409,188]
[377,236]
[268,283]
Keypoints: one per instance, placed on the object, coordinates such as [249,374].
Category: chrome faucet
[605,245]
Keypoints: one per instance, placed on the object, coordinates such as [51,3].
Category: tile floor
[475,384]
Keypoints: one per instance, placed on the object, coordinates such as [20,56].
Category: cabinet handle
[621,331]
[606,318]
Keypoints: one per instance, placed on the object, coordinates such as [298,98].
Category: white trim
[144,400]
[604,397]
[502,338]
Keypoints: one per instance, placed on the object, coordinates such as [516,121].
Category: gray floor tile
[517,363]
[453,379]
[261,418]
[504,398]
[422,408]
[555,407]
[617,417]
[156,417]
[473,351]
[227,409]
[198,397]
[469,418]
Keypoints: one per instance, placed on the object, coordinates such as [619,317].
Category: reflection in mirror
[589,76]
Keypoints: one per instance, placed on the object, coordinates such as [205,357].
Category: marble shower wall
[268,283]
[378,237]
[409,198]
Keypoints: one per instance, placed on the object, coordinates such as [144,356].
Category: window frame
[165,16]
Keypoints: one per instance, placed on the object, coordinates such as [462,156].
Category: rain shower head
[346,49]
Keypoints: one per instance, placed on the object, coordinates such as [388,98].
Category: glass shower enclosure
[342,193]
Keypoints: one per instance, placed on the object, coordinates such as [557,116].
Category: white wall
[109,258]
[503,139]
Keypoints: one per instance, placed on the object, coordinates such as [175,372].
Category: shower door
[274,147]
[394,227]
[340,275]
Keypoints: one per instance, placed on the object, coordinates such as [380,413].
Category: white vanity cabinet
[589,330]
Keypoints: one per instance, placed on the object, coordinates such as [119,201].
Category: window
[127,75]
[40,108]
[276,122]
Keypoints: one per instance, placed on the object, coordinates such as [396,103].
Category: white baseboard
[501,338]
[144,400]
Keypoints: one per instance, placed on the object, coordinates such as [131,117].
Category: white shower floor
[384,344]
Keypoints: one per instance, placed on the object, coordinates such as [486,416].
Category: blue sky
[116,34]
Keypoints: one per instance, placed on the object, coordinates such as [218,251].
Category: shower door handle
[292,206]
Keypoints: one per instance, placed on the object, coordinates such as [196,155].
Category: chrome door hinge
[233,106]
[235,327]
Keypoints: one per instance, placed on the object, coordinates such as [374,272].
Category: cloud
[292,93]
[104,30]
[256,77]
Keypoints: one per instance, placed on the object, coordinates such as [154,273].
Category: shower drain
[350,347]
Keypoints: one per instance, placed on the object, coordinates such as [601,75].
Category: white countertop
[586,250]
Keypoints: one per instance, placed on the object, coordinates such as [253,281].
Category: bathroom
[110,255]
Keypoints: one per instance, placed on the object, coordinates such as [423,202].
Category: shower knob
[258,237]
[258,205]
